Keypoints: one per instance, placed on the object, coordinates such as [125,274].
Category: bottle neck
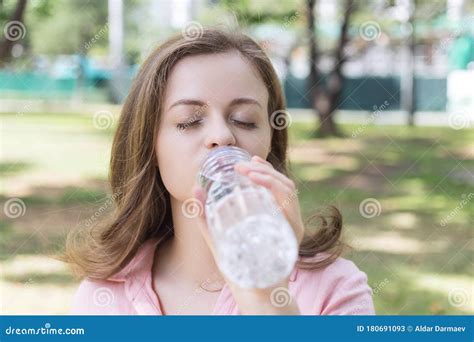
[219,165]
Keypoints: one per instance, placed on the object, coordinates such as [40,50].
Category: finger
[247,167]
[283,197]
[282,176]
[261,160]
[279,189]
[281,193]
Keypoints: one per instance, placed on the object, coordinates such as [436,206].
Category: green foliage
[68,26]
[250,13]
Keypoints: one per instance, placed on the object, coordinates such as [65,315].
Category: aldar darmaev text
[438,328]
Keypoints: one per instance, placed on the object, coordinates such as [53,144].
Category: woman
[190,96]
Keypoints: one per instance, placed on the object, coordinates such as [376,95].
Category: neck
[187,254]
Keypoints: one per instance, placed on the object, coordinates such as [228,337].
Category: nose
[219,134]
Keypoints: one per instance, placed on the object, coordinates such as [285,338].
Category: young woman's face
[210,100]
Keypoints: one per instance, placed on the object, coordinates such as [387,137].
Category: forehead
[217,78]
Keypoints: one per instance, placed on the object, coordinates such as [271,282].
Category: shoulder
[339,271]
[98,297]
[112,296]
[339,288]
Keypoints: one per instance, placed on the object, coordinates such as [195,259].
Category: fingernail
[242,166]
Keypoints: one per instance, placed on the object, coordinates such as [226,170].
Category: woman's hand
[283,189]
[261,301]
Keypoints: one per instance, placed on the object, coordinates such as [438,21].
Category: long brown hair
[142,203]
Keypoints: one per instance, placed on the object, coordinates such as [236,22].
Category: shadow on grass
[13,168]
[55,278]
[49,214]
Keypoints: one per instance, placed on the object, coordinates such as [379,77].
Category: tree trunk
[325,98]
[6,45]
[409,91]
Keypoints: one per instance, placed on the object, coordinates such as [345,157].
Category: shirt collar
[140,263]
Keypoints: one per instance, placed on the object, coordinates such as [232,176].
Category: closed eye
[188,124]
[194,123]
[246,125]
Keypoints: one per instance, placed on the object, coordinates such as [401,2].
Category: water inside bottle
[257,252]
[256,246]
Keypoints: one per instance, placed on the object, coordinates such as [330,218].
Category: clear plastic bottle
[255,245]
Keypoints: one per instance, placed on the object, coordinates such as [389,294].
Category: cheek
[174,158]
[257,144]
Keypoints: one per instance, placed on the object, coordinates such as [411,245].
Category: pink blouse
[338,289]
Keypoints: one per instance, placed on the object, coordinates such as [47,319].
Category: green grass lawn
[417,256]
[416,247]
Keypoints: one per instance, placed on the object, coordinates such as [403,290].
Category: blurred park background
[381,108]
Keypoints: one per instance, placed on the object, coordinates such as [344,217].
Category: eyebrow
[234,102]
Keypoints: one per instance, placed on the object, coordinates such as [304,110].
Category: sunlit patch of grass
[312,172]
[456,290]
[35,268]
[59,146]
[36,284]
